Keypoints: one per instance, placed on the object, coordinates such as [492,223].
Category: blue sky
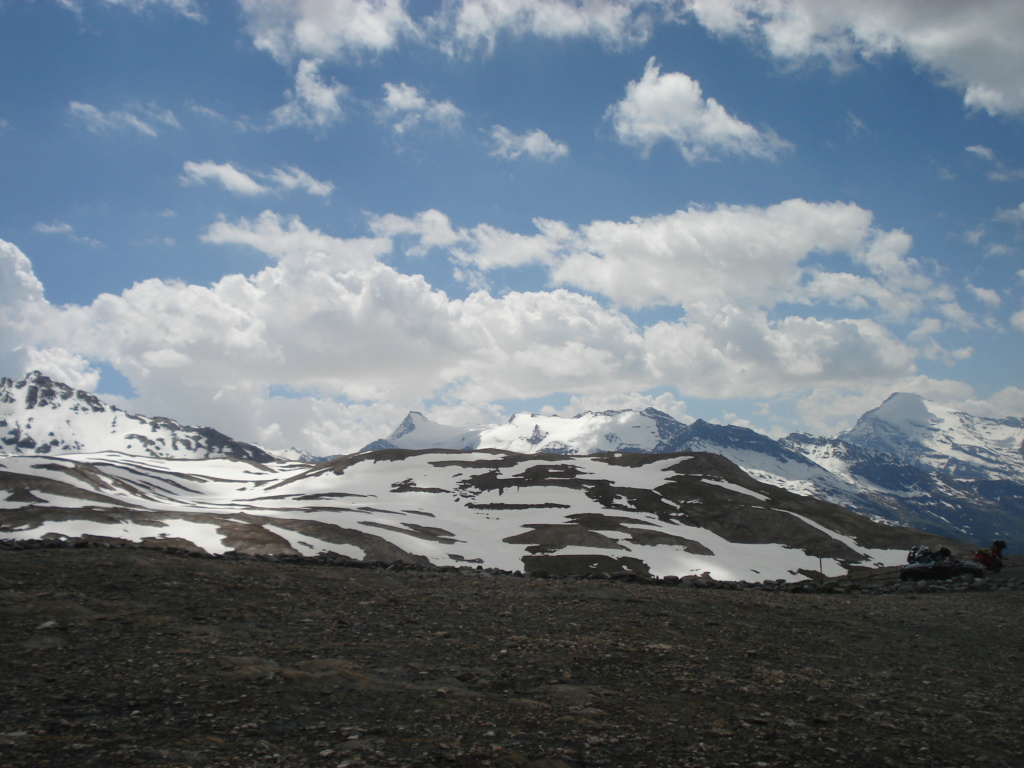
[295,220]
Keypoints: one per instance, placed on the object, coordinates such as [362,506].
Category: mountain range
[41,416]
[909,461]
[634,490]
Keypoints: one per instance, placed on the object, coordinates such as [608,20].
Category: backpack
[920,554]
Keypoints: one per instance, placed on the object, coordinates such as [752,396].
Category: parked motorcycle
[922,563]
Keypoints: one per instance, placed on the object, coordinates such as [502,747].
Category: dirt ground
[131,657]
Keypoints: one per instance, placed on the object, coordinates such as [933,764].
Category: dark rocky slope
[132,657]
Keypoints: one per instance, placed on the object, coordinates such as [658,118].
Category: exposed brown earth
[133,657]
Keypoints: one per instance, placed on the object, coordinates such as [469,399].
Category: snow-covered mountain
[909,461]
[42,416]
[648,514]
[930,467]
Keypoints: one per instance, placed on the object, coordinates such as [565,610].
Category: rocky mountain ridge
[41,416]
[910,461]
[646,514]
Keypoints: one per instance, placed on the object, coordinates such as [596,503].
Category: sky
[297,220]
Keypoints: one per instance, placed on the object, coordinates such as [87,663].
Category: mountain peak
[37,391]
[40,415]
[904,408]
[412,420]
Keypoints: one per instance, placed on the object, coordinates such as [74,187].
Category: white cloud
[53,228]
[483,247]
[288,28]
[24,310]
[973,47]
[986,296]
[999,171]
[290,239]
[207,112]
[314,103]
[353,28]
[535,144]
[1012,215]
[690,258]
[145,119]
[665,402]
[404,108]
[357,343]
[472,25]
[57,227]
[224,174]
[187,8]
[1017,320]
[290,178]
[1006,402]
[241,183]
[983,152]
[816,254]
[432,229]
[671,107]
[59,364]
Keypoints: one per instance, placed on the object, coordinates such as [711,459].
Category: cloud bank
[329,334]
[971,47]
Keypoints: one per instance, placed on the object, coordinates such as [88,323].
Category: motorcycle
[922,563]
[941,569]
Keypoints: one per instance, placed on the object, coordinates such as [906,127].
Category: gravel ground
[133,657]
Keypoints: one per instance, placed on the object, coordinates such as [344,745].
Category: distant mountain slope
[42,416]
[648,514]
[909,461]
[931,467]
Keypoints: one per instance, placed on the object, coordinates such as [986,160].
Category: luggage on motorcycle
[991,557]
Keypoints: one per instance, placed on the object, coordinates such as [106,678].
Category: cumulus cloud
[24,310]
[404,108]
[672,107]
[289,28]
[483,247]
[973,47]
[473,25]
[794,252]
[313,103]
[289,239]
[242,183]
[327,345]
[431,229]
[1011,215]
[535,144]
[144,119]
[355,28]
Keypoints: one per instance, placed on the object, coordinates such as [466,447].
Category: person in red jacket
[991,557]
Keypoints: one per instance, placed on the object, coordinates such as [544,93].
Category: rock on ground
[131,657]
